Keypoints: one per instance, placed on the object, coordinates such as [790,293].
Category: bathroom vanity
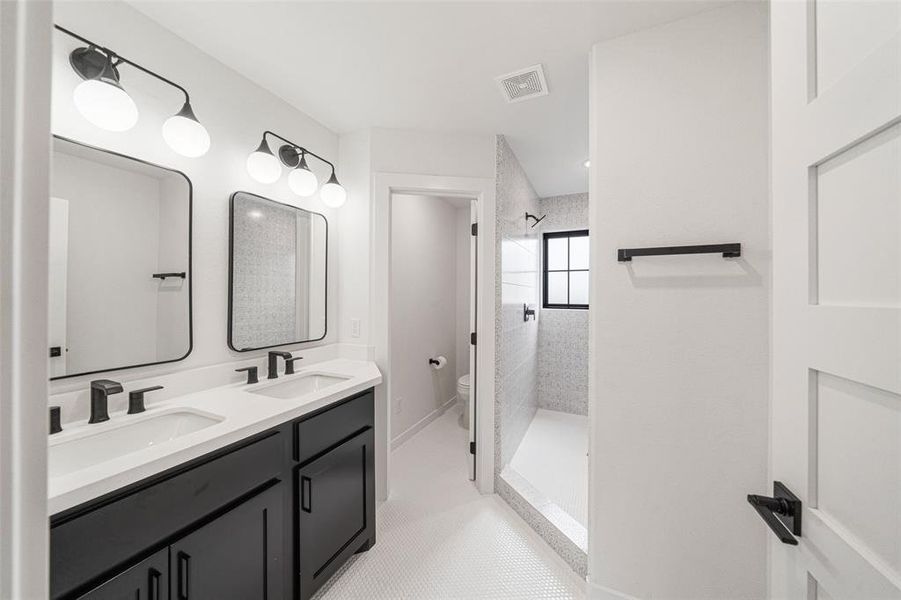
[244,491]
[267,501]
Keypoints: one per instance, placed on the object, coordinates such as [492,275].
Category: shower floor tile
[553,457]
[438,538]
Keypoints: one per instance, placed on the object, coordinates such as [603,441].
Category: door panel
[836,406]
[335,508]
[842,409]
[235,557]
[147,580]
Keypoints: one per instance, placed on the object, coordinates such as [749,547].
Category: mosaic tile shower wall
[563,333]
[516,340]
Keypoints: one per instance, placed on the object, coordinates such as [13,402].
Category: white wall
[173,310]
[234,111]
[423,302]
[112,251]
[377,150]
[679,382]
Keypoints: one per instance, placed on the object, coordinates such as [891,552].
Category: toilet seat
[463,382]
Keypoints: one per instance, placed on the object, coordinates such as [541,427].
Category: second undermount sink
[298,385]
[122,435]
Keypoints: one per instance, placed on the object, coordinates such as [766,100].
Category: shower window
[565,271]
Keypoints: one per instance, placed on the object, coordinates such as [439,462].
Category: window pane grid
[561,288]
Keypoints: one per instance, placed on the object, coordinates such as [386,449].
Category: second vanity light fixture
[102,100]
[264,167]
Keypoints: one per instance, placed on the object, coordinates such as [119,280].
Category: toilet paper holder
[434,361]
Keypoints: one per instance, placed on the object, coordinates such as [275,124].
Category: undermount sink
[123,434]
[299,385]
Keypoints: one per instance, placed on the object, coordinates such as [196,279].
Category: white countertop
[244,414]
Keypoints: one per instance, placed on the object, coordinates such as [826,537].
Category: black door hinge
[475,229]
[472,447]
[472,338]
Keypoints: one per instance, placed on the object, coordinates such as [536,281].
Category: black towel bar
[181,275]
[728,251]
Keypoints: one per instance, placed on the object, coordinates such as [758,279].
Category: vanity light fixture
[264,167]
[301,179]
[333,193]
[262,164]
[102,100]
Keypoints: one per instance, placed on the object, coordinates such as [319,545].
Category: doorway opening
[432,309]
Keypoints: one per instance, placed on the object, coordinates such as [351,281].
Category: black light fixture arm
[300,149]
[118,59]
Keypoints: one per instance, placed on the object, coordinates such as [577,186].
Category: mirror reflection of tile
[278,287]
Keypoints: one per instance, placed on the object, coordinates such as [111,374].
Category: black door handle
[184,583]
[306,494]
[154,585]
[782,512]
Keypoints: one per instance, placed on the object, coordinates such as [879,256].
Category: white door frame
[25,51]
[482,190]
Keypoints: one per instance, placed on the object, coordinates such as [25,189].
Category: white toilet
[463,397]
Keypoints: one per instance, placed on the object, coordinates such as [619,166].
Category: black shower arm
[537,220]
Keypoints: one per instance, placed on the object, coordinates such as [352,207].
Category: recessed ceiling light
[586,164]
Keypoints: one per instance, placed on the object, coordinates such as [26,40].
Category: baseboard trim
[599,592]
[419,425]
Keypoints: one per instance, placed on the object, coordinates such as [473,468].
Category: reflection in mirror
[116,224]
[278,274]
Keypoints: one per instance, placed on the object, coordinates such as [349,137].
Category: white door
[836,406]
[473,349]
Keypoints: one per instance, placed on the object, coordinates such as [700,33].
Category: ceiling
[426,65]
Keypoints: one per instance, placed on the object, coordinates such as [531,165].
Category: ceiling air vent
[523,84]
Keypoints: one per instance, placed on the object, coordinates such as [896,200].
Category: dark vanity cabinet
[272,516]
[146,580]
[336,516]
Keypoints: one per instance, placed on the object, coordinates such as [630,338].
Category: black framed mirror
[278,274]
[120,262]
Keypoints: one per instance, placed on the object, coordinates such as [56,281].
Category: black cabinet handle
[154,584]
[184,567]
[306,494]
[782,512]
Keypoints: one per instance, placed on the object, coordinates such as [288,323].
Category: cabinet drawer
[112,532]
[149,579]
[319,432]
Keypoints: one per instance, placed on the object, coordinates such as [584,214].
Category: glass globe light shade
[302,180]
[106,105]
[185,134]
[262,164]
[333,193]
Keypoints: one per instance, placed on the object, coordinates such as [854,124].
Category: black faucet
[273,362]
[100,391]
[136,399]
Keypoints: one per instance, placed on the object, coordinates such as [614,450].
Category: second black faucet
[274,355]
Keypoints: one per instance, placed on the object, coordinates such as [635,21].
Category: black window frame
[573,233]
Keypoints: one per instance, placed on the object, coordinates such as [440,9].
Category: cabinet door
[238,556]
[147,580]
[335,504]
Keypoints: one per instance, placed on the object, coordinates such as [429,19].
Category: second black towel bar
[180,275]
[727,250]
